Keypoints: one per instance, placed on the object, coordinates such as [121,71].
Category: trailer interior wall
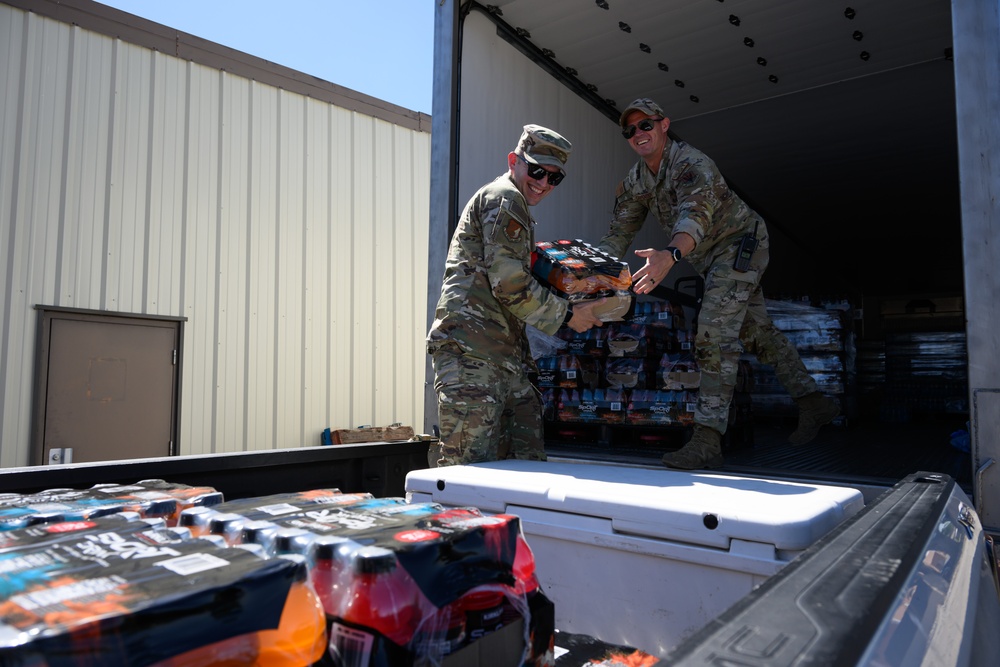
[501,91]
[146,171]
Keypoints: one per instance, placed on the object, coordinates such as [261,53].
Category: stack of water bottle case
[825,343]
[157,573]
[638,369]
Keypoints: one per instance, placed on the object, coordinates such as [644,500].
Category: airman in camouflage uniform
[487,408]
[705,222]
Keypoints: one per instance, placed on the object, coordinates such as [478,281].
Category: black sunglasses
[538,172]
[646,124]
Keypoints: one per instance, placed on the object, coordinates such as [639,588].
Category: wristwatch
[675,253]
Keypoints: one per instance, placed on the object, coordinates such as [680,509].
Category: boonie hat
[540,145]
[643,104]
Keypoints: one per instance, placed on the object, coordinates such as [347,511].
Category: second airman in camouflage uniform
[487,408]
[705,222]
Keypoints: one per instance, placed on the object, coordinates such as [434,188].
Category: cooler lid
[696,508]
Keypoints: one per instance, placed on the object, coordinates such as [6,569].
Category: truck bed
[910,579]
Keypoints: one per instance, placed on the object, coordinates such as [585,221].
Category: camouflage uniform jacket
[687,195]
[488,293]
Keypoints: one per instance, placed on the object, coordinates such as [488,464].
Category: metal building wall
[290,232]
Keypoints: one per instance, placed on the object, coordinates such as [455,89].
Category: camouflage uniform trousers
[733,312]
[485,412]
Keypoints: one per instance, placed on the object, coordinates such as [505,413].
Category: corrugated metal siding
[291,234]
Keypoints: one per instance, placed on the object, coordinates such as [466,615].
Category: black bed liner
[827,606]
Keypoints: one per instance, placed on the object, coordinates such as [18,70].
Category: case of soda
[151,498]
[313,578]
[576,267]
[122,590]
[400,583]
[576,270]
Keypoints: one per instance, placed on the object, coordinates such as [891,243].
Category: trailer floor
[873,452]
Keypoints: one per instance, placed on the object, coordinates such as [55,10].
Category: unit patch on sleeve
[514,220]
[513,230]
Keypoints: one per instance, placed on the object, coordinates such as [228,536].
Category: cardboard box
[505,647]
[348,436]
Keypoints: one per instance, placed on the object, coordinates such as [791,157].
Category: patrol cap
[643,104]
[540,145]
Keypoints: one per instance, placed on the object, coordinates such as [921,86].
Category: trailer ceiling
[835,119]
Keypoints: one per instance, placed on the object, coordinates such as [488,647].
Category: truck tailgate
[910,580]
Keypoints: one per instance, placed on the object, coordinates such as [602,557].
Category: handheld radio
[748,244]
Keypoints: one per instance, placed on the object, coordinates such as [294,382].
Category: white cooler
[643,556]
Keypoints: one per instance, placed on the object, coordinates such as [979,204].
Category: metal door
[108,388]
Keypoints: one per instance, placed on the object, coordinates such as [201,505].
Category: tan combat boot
[815,411]
[703,450]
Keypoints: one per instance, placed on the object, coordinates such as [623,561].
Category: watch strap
[569,313]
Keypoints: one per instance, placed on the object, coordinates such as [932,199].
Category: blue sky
[383,48]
